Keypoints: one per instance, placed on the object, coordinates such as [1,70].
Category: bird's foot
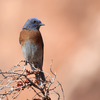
[37,71]
[28,72]
[26,62]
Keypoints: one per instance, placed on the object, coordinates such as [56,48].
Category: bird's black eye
[34,21]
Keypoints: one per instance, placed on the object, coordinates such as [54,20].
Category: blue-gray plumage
[32,44]
[33,24]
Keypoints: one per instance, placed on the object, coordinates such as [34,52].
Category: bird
[32,45]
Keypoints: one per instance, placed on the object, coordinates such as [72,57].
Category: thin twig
[14,81]
[36,92]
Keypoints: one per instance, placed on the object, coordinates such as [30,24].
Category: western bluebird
[32,45]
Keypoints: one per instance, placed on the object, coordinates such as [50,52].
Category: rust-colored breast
[33,36]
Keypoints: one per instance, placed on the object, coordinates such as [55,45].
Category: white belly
[30,51]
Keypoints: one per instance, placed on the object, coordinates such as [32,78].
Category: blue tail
[40,75]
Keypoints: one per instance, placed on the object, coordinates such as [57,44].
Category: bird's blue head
[33,24]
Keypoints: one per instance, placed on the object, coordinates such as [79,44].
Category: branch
[17,78]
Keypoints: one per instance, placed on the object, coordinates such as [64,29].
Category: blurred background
[71,38]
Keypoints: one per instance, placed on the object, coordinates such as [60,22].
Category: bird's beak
[41,24]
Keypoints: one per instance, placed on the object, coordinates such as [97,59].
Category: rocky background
[71,38]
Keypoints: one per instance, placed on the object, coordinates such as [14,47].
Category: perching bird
[32,45]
